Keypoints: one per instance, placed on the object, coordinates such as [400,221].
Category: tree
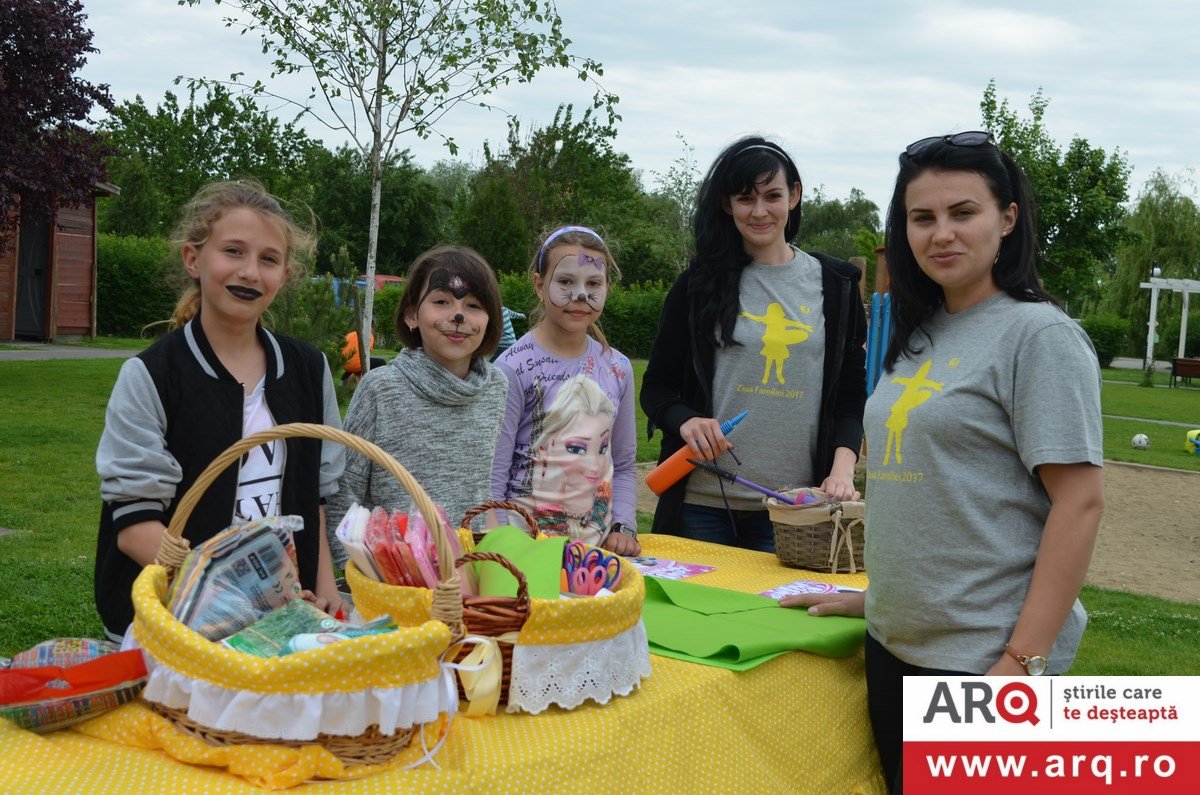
[1164,231]
[47,157]
[493,224]
[567,172]
[1079,197]
[834,227]
[680,186]
[165,155]
[339,192]
[452,178]
[388,67]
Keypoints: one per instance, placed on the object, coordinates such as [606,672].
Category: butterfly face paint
[578,278]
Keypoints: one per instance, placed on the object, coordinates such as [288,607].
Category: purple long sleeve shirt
[534,378]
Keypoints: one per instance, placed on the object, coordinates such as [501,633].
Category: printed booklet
[668,569]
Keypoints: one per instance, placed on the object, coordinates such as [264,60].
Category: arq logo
[1016,702]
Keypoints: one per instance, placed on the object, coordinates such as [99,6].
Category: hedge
[630,318]
[137,283]
[1108,334]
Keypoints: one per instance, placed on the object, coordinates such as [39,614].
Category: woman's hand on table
[703,435]
[829,604]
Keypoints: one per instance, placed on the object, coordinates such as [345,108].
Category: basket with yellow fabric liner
[363,700]
[550,651]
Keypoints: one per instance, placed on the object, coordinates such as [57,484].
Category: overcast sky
[842,85]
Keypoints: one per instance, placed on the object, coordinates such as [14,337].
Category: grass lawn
[1131,635]
[647,448]
[51,415]
[1166,441]
[114,343]
[1173,405]
[1133,376]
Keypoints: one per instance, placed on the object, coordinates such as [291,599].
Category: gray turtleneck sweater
[440,427]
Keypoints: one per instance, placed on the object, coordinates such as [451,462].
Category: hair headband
[541,261]
[772,148]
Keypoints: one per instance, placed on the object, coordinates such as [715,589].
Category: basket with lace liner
[375,672]
[825,536]
[541,626]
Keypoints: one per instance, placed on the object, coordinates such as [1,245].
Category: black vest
[203,405]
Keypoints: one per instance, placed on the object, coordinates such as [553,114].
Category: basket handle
[173,540]
[474,513]
[522,602]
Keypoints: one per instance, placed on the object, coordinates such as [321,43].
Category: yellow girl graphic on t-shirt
[917,390]
[780,332]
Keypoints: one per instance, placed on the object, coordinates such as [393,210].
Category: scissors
[588,569]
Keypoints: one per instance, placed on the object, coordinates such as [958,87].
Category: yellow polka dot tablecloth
[796,724]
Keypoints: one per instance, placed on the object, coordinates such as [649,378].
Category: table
[795,724]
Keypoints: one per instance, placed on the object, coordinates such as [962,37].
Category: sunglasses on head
[971,138]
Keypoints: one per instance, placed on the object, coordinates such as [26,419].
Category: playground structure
[1181,366]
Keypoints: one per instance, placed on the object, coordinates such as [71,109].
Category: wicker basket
[825,537]
[494,616]
[540,623]
[485,616]
[164,639]
[497,505]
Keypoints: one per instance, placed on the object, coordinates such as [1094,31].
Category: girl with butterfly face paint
[577,482]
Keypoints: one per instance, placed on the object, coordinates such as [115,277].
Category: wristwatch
[625,529]
[1034,666]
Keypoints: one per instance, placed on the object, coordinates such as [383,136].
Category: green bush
[307,309]
[517,293]
[1108,334]
[1168,336]
[630,319]
[137,283]
[387,301]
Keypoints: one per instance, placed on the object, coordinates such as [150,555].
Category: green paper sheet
[734,630]
[540,561]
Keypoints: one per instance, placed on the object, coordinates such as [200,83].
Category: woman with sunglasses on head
[755,323]
[984,442]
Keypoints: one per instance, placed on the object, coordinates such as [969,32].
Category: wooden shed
[48,275]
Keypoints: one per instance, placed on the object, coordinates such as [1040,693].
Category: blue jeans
[750,529]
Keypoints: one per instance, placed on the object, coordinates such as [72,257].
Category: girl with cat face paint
[577,481]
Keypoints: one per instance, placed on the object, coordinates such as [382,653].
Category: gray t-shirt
[955,512]
[776,373]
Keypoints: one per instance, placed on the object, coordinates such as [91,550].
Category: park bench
[1185,369]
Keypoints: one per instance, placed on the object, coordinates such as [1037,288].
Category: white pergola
[1156,285]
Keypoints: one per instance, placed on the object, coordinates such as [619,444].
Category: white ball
[1141,441]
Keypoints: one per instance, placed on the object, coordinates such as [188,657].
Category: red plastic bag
[52,697]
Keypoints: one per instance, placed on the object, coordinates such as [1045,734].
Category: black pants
[885,689]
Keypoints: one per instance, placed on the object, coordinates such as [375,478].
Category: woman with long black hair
[984,488]
[755,323]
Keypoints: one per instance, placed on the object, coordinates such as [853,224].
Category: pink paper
[800,587]
[668,569]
